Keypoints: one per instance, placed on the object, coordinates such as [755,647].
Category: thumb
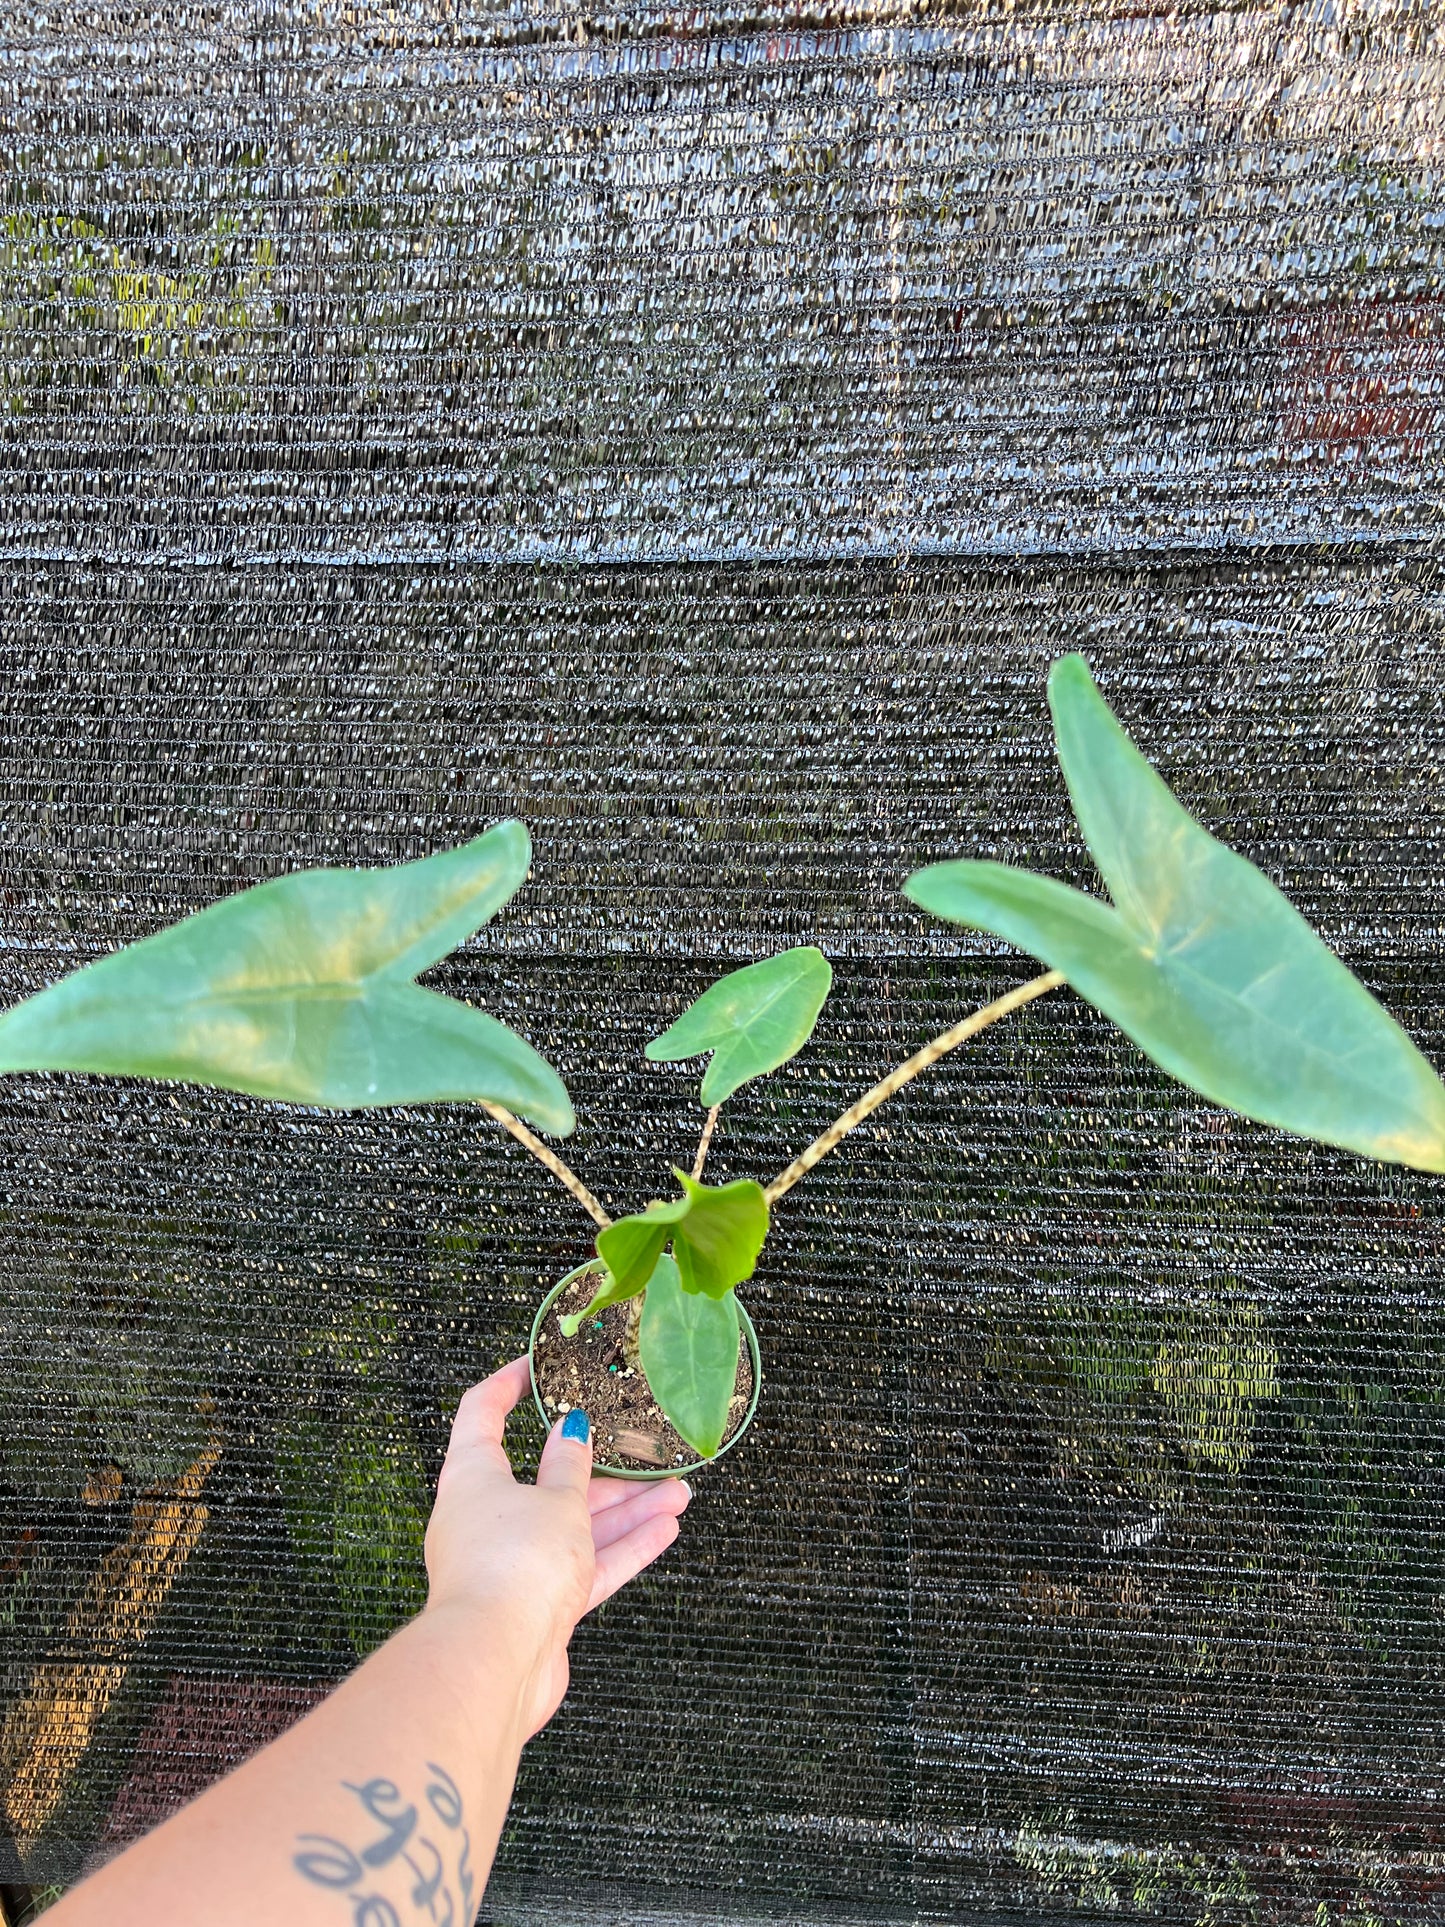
[567,1455]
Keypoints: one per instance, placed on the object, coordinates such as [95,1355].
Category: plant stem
[550,1158]
[707,1130]
[632,1337]
[895,1080]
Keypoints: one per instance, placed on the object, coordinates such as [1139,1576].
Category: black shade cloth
[696,432]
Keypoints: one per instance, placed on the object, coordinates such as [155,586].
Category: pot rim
[626,1471]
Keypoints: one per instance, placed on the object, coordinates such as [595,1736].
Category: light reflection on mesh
[696,435]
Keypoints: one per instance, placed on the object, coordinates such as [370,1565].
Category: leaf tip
[927,887]
[1068,673]
[1074,696]
[715,1088]
[553,1113]
[512,842]
[516,832]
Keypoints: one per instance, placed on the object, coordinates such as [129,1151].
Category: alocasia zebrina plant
[1200,960]
[685,1335]
[303,990]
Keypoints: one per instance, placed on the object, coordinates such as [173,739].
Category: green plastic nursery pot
[666,1471]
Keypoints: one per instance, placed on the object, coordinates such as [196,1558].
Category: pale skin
[383,1807]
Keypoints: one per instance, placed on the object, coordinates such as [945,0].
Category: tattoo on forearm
[428,1873]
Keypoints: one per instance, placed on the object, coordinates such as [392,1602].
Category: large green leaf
[716,1232]
[752,1020]
[1204,964]
[301,989]
[689,1348]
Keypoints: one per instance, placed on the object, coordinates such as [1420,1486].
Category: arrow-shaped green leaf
[716,1232]
[1204,964]
[689,1349]
[631,1247]
[752,1020]
[301,989]
[717,1244]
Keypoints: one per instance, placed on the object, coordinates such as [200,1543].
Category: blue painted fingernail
[575,1425]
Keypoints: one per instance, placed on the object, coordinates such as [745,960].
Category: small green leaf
[716,1232]
[1204,964]
[752,1020]
[717,1244]
[301,990]
[609,1292]
[630,1247]
[689,1346]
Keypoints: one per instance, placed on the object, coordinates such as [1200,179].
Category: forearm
[382,1808]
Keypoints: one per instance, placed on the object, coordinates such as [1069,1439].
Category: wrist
[490,1658]
[492,1617]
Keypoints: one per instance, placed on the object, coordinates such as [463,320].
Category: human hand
[529,1561]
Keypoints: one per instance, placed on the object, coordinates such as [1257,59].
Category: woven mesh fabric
[695,431]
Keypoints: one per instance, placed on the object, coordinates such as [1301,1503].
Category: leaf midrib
[339,990]
[736,1032]
[1170,961]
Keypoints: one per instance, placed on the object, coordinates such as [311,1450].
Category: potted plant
[303,990]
